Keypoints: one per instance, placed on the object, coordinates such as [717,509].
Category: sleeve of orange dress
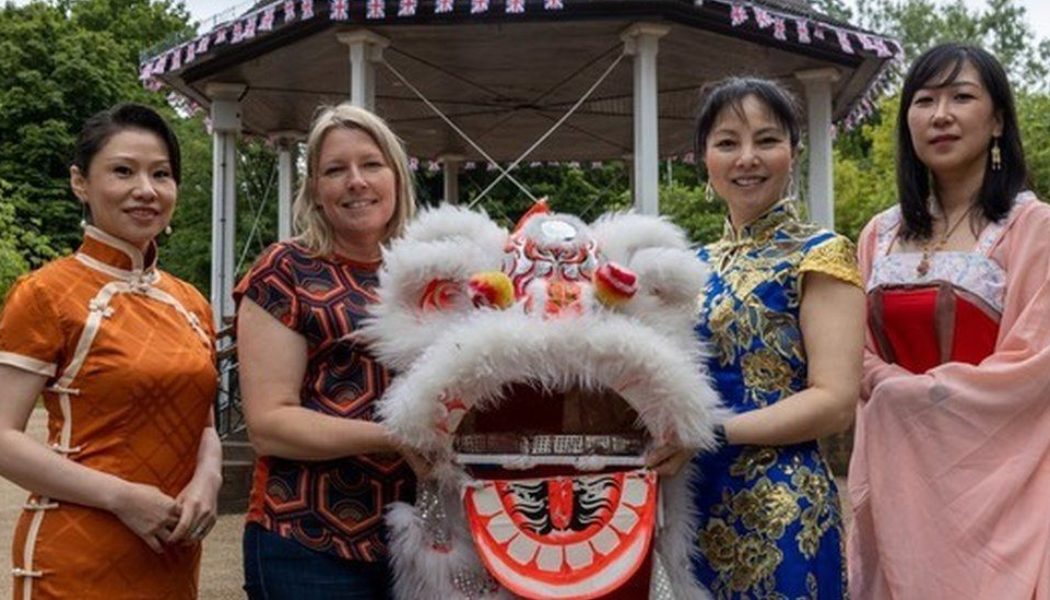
[30,335]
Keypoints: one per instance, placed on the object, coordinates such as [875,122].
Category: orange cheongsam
[128,353]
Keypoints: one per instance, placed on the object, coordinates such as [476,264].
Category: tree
[59,64]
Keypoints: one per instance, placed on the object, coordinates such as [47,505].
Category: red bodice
[922,326]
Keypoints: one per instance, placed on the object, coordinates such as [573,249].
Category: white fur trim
[621,235]
[474,360]
[676,540]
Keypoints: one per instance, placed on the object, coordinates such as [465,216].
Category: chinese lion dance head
[535,367]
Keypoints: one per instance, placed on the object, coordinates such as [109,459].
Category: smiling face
[129,186]
[356,189]
[952,125]
[748,156]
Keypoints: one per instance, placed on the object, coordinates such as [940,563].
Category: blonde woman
[326,469]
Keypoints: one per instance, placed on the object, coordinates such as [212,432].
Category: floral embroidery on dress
[770,522]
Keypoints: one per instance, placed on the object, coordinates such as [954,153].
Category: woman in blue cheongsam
[782,319]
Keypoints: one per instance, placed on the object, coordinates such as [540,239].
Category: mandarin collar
[762,228]
[115,256]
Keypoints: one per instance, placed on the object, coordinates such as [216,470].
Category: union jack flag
[738,15]
[220,36]
[779,29]
[160,65]
[237,32]
[575,164]
[191,52]
[515,6]
[266,21]
[443,6]
[413,163]
[490,166]
[407,8]
[844,43]
[376,9]
[146,71]
[596,164]
[433,166]
[470,165]
[202,44]
[763,18]
[478,6]
[866,42]
[249,28]
[289,10]
[818,32]
[339,10]
[535,164]
[689,158]
[553,5]
[306,8]
[802,25]
[176,59]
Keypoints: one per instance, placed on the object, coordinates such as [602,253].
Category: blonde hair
[315,232]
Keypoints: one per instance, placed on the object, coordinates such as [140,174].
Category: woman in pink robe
[950,475]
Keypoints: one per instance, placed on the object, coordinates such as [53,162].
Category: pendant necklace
[930,247]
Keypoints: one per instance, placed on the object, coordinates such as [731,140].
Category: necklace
[930,247]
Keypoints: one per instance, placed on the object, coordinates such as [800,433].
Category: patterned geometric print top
[333,506]
[770,520]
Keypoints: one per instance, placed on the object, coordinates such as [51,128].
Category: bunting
[376,9]
[407,8]
[339,10]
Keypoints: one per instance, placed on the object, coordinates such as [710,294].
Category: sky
[1038,10]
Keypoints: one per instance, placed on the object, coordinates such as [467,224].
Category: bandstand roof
[505,76]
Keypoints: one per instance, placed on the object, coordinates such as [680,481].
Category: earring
[167,230]
[83,215]
[709,193]
[997,155]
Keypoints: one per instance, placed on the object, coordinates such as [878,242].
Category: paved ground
[221,572]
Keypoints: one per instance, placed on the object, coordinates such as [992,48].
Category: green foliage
[11,262]
[865,183]
[59,64]
[1034,116]
[1000,27]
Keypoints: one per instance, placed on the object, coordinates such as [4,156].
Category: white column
[286,153]
[226,124]
[821,193]
[450,166]
[641,41]
[366,49]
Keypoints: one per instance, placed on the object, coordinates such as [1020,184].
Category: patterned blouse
[770,521]
[333,506]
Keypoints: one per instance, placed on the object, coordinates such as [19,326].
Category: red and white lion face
[558,340]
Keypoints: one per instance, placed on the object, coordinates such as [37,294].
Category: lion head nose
[492,289]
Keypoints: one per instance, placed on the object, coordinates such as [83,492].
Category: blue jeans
[276,568]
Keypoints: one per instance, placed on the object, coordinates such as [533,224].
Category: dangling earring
[997,155]
[83,215]
[709,193]
[167,230]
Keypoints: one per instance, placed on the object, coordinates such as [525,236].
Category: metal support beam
[366,49]
[226,124]
[641,41]
[820,196]
[287,145]
[450,164]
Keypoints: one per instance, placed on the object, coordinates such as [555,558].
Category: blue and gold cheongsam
[770,522]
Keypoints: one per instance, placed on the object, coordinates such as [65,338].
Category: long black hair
[938,67]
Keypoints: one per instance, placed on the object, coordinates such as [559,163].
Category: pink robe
[950,474]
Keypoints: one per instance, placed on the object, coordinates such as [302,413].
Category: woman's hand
[667,460]
[421,465]
[148,512]
[198,505]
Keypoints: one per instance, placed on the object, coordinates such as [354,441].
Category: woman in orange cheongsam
[126,486]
